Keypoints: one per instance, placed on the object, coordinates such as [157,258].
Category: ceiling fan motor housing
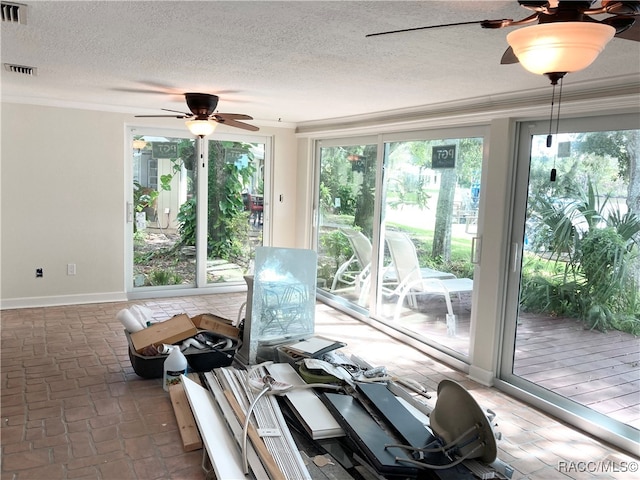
[202,105]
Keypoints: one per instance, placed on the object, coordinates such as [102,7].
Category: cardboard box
[170,331]
[199,360]
[213,323]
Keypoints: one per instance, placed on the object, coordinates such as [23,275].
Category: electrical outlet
[39,273]
[71,268]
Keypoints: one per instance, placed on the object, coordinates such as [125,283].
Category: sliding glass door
[573,316]
[396,230]
[197,209]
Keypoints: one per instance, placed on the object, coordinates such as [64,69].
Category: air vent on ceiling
[21,69]
[14,12]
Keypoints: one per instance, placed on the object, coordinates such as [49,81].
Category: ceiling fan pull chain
[553,170]
[549,136]
[559,104]
[200,148]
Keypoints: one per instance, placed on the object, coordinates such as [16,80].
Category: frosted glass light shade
[201,128]
[559,46]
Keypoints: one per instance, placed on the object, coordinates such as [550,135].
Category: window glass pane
[163,185]
[235,216]
[430,215]
[345,223]
[580,276]
[164,211]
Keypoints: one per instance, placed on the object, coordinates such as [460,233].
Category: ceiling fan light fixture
[201,128]
[559,46]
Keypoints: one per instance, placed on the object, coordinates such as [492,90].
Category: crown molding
[612,94]
[126,110]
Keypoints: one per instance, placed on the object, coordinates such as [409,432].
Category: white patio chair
[414,281]
[355,269]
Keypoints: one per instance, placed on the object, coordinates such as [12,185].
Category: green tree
[468,164]
[227,226]
[363,216]
[336,177]
[623,145]
[226,217]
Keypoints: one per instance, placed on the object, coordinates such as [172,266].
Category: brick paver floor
[73,408]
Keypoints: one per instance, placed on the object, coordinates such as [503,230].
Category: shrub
[335,245]
[164,277]
[187,223]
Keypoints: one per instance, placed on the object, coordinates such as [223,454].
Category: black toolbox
[199,360]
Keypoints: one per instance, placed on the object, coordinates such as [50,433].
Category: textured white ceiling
[293,61]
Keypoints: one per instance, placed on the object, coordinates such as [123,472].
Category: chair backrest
[255,203]
[404,257]
[360,244]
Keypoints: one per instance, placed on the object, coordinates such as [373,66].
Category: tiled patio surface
[73,408]
[600,370]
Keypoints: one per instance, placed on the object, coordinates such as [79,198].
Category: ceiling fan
[203,117]
[558,12]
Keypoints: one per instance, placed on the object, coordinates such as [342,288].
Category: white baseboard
[29,302]
[482,376]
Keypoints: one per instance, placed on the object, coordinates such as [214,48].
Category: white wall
[282,221]
[63,201]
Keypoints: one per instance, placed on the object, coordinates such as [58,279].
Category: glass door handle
[476,246]
[129,212]
[515,257]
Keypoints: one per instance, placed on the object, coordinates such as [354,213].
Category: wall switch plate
[71,268]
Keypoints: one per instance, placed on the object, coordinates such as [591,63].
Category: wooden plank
[195,377]
[191,439]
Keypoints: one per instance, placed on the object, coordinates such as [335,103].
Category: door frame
[200,287]
[370,316]
[578,415]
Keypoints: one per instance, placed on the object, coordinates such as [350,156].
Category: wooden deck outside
[600,370]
